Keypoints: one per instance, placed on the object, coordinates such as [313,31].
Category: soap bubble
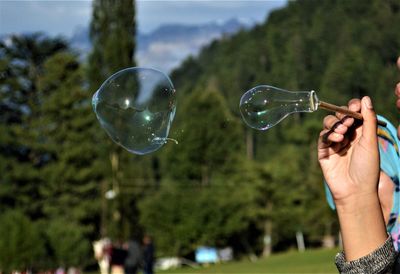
[263,107]
[136,106]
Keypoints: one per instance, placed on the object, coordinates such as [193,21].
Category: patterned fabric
[382,260]
[389,145]
[390,164]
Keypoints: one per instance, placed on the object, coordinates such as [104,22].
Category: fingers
[398,62]
[330,136]
[355,105]
[397,92]
[334,124]
[337,126]
[370,120]
[327,148]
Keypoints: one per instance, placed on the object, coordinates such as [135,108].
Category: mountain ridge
[168,45]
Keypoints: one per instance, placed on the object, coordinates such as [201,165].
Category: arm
[349,159]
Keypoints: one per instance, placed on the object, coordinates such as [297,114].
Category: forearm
[362,225]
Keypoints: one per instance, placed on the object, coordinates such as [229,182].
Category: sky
[57,17]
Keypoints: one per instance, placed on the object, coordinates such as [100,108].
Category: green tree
[206,195]
[112,32]
[337,48]
[21,150]
[68,241]
[211,138]
[21,244]
[72,176]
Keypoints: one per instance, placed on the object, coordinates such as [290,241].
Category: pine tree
[21,244]
[72,176]
[22,154]
[207,193]
[340,49]
[112,31]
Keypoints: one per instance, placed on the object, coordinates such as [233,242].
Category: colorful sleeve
[390,164]
[389,151]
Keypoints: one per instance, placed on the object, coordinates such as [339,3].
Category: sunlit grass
[312,261]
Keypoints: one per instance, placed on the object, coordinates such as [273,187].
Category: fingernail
[367,102]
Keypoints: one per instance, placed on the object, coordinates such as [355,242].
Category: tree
[337,48]
[21,245]
[206,195]
[21,151]
[68,241]
[112,31]
[72,176]
[211,130]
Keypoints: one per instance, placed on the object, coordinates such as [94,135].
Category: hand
[349,157]
[348,154]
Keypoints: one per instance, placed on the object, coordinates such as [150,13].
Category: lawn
[312,261]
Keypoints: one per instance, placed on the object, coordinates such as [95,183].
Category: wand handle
[342,110]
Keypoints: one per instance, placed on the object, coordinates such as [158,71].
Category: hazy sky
[62,17]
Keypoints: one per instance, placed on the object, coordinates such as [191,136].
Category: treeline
[223,184]
[342,50]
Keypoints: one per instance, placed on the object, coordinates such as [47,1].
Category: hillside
[341,49]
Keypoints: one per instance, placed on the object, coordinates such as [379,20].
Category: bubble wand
[264,106]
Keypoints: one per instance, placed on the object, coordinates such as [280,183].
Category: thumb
[370,120]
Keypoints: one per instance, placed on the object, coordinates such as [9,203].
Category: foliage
[68,242]
[333,47]
[21,245]
[112,31]
[199,173]
[72,174]
[211,130]
[223,184]
[21,153]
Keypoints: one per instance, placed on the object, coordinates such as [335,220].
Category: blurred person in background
[118,255]
[133,258]
[148,255]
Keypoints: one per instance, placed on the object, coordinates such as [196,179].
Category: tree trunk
[300,241]
[205,178]
[267,250]
[103,220]
[250,144]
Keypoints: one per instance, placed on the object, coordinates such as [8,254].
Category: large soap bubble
[136,106]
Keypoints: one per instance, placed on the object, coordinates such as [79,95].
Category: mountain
[168,45]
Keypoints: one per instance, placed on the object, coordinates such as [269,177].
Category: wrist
[362,224]
[356,203]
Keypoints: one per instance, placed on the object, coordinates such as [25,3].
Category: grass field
[312,261]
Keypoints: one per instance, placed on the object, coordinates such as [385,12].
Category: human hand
[349,155]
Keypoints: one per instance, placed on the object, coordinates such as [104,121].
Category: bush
[21,246]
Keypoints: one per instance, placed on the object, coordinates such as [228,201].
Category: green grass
[312,261]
